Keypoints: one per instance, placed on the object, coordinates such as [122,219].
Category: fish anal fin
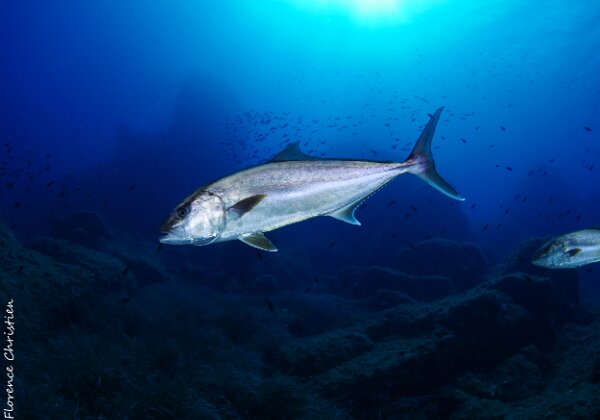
[292,152]
[346,214]
[258,240]
[244,206]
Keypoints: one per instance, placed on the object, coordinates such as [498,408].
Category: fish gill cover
[112,113]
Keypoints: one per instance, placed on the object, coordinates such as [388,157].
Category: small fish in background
[270,305]
[571,250]
[125,271]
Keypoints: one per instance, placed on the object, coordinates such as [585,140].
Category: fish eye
[547,249]
[183,211]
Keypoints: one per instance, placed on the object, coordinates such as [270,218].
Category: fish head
[198,220]
[556,254]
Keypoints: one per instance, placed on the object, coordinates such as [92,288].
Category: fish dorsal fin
[346,214]
[292,152]
[258,240]
[244,206]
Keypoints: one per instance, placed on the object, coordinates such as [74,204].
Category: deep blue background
[127,107]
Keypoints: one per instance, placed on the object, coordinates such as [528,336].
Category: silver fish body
[572,250]
[291,188]
[299,190]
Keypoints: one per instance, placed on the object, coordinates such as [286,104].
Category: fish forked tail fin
[421,160]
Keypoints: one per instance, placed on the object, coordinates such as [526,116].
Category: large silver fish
[291,188]
[570,251]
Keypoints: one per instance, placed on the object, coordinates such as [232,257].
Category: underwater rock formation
[543,297]
[464,264]
[313,355]
[493,342]
[369,342]
[520,261]
[364,282]
[83,227]
[145,272]
[386,299]
[105,270]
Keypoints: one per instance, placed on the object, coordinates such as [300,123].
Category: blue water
[125,108]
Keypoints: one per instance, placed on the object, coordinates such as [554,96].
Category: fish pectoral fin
[573,252]
[346,214]
[244,206]
[292,152]
[258,240]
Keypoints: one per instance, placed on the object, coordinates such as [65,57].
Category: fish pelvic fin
[258,240]
[420,161]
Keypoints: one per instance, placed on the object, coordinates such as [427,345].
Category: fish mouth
[173,240]
[540,255]
[537,261]
[168,225]
[173,235]
[178,236]
[538,258]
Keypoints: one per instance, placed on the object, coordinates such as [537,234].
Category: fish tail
[420,161]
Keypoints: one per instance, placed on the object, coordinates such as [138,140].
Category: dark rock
[520,261]
[314,355]
[485,327]
[7,238]
[462,263]
[316,314]
[541,296]
[107,271]
[263,284]
[288,268]
[386,299]
[421,348]
[300,327]
[514,379]
[83,227]
[518,378]
[210,277]
[145,273]
[291,270]
[595,374]
[221,282]
[362,282]
[404,321]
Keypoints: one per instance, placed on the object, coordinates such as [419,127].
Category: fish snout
[541,256]
[168,225]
